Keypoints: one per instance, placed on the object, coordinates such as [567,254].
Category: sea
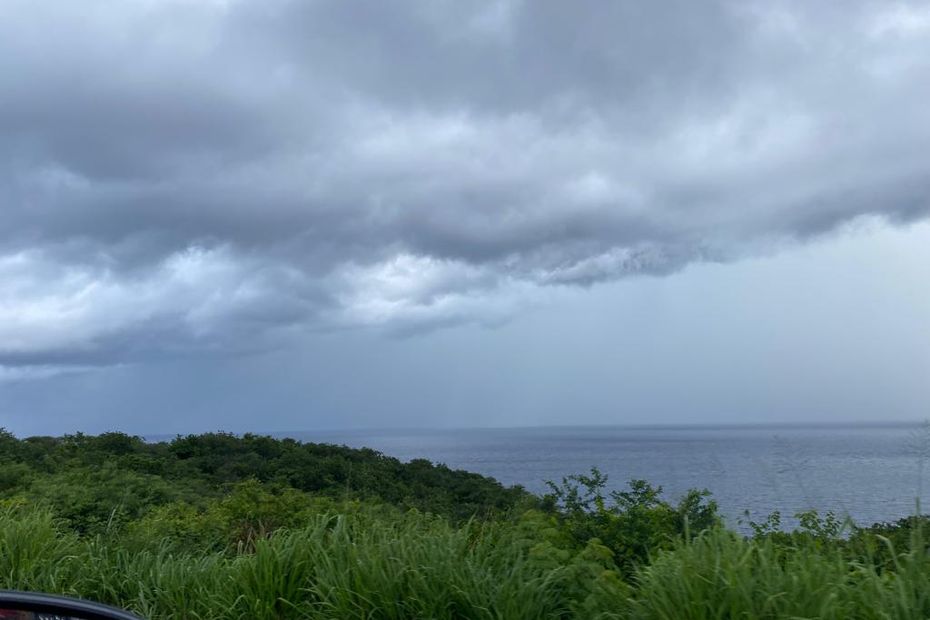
[865,473]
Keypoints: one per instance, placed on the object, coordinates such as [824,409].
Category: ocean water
[868,473]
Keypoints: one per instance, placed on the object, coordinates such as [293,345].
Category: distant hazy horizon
[161,435]
[307,434]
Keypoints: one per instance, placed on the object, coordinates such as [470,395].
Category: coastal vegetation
[218,526]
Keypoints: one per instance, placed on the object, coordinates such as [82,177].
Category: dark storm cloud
[181,177]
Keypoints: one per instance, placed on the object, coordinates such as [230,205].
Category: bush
[632,524]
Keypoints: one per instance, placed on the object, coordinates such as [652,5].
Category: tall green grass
[338,566]
[397,566]
[722,575]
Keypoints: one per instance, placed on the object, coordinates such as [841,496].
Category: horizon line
[654,426]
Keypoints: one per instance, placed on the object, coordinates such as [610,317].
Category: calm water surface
[867,473]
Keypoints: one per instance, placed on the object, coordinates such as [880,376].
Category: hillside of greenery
[217,526]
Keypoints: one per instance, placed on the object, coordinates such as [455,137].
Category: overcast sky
[292,214]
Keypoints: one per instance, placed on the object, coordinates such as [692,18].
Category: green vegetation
[217,526]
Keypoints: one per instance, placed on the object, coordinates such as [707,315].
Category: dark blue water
[867,473]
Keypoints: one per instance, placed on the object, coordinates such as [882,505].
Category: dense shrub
[632,523]
[93,481]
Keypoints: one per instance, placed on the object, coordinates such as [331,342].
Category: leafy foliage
[94,481]
[633,523]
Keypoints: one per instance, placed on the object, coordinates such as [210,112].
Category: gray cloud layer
[182,177]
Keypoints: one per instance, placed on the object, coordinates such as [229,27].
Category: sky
[290,214]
